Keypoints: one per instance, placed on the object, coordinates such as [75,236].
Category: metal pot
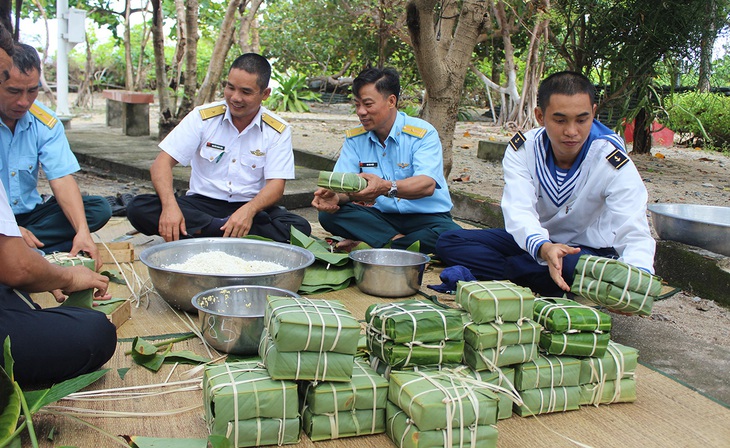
[704,226]
[388,272]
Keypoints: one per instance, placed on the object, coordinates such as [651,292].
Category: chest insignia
[43,116]
[368,164]
[258,153]
[275,124]
[355,132]
[517,141]
[414,131]
[212,111]
[617,159]
[403,165]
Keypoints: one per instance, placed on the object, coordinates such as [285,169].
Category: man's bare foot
[346,245]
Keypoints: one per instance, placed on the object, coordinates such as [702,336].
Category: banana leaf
[401,355]
[323,277]
[263,431]
[504,378]
[108,306]
[10,396]
[311,325]
[341,182]
[617,391]
[619,362]
[405,434]
[244,390]
[581,343]
[158,442]
[366,391]
[614,298]
[547,371]
[310,366]
[337,425]
[493,335]
[438,400]
[490,358]
[494,301]
[547,400]
[319,249]
[561,315]
[414,320]
[617,273]
[147,355]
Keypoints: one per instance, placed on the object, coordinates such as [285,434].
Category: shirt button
[211,159]
[30,167]
[253,166]
[234,160]
[12,174]
[15,202]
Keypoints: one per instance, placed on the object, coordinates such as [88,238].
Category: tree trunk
[642,133]
[525,116]
[141,69]
[509,107]
[223,43]
[84,97]
[248,36]
[191,59]
[707,42]
[443,58]
[128,74]
[50,97]
[158,46]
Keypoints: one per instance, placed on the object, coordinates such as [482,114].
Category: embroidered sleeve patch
[517,141]
[617,159]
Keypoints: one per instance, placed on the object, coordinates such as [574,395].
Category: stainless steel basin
[704,226]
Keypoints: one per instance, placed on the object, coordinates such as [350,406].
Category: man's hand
[553,254]
[326,200]
[172,223]
[377,186]
[30,239]
[84,278]
[83,242]
[240,222]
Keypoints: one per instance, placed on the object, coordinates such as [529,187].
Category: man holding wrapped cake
[406,198]
[570,190]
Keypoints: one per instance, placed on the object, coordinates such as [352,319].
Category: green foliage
[412,110]
[704,116]
[290,94]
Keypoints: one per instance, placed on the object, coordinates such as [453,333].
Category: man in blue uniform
[407,197]
[32,138]
[570,189]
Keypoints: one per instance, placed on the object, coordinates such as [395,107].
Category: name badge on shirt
[368,164]
[215,146]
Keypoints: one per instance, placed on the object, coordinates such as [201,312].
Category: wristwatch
[393,189]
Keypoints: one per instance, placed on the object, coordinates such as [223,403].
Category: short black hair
[26,58]
[386,80]
[564,83]
[255,64]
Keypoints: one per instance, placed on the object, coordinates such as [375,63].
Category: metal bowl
[178,287]
[704,226]
[388,272]
[231,318]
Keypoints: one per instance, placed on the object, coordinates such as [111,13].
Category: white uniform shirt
[8,226]
[605,208]
[228,165]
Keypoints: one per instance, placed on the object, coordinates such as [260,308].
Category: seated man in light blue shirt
[32,138]
[407,197]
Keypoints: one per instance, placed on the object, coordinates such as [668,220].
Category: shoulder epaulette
[277,125]
[354,132]
[517,141]
[43,116]
[617,159]
[212,111]
[414,131]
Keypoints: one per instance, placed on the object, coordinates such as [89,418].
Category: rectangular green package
[547,371]
[561,315]
[613,297]
[367,390]
[312,366]
[503,378]
[490,358]
[404,355]
[65,259]
[495,301]
[341,182]
[405,434]
[619,362]
[547,400]
[617,273]
[244,390]
[437,400]
[307,325]
[415,320]
[337,425]
[580,343]
[616,391]
[494,335]
[263,431]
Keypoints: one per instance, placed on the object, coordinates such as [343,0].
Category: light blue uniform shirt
[404,155]
[34,145]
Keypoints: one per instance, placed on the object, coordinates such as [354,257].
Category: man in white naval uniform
[241,157]
[570,189]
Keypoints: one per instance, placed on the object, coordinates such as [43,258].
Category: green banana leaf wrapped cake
[309,325]
[263,431]
[548,400]
[579,343]
[503,379]
[414,353]
[336,425]
[615,391]
[494,335]
[547,371]
[562,315]
[492,358]
[619,362]
[414,320]
[495,301]
[341,182]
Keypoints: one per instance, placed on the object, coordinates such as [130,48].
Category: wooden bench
[128,110]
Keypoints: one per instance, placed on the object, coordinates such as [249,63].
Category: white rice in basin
[221,263]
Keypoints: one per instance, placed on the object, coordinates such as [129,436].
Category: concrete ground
[682,356]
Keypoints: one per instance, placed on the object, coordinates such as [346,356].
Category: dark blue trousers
[492,254]
[53,344]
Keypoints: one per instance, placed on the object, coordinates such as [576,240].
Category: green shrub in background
[704,117]
[290,94]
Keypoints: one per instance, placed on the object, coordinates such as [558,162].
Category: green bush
[705,117]
[291,93]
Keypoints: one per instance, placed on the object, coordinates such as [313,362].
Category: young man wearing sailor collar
[570,189]
[241,157]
